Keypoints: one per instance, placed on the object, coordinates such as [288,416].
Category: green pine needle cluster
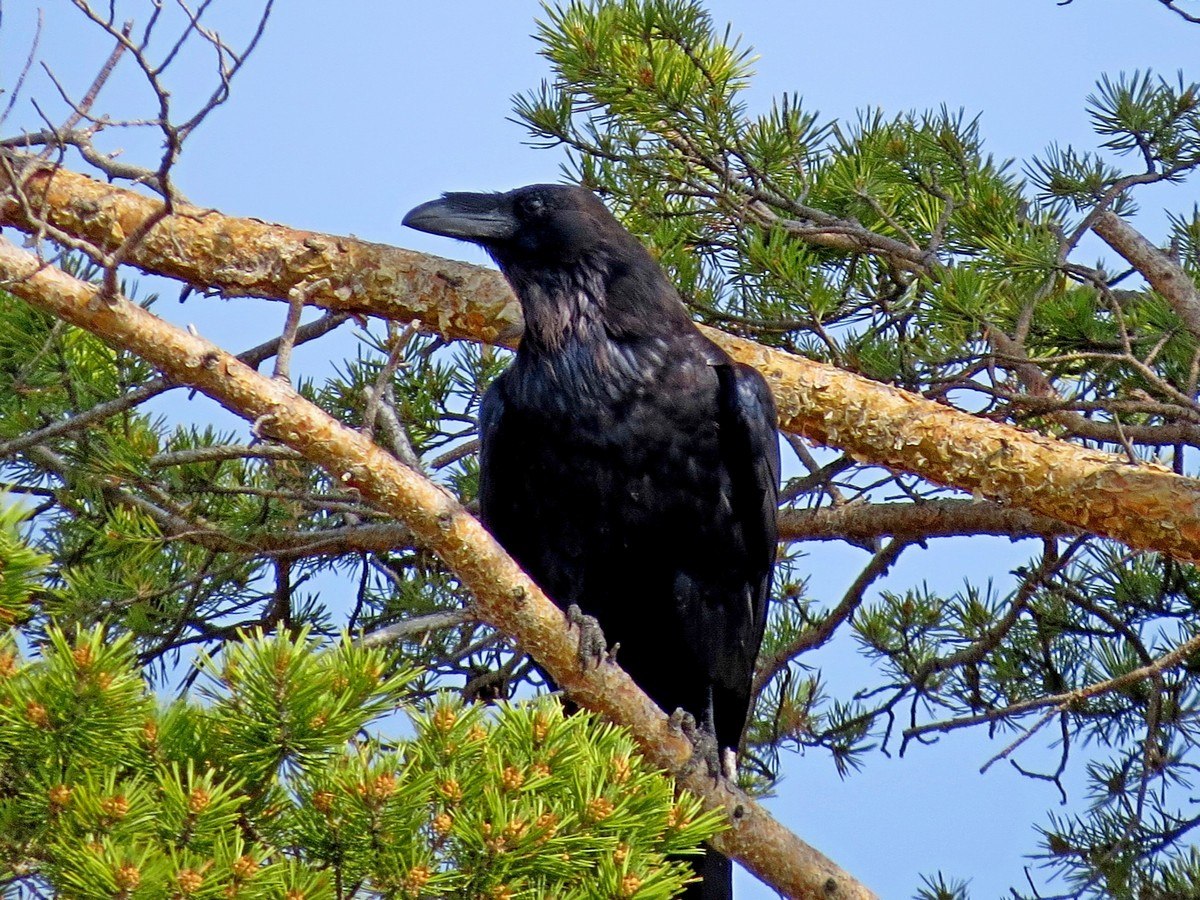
[292,774]
[291,779]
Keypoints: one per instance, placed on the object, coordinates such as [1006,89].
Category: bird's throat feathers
[562,308]
[594,300]
[590,342]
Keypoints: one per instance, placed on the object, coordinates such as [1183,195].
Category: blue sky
[351,113]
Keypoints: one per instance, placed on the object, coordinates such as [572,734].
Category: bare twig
[465,449]
[24,73]
[381,400]
[220,453]
[287,339]
[408,628]
[1186,16]
[102,76]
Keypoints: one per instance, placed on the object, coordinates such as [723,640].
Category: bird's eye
[532,206]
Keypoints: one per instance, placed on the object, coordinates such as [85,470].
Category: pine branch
[1164,274]
[1144,506]
[151,389]
[819,634]
[864,522]
[1067,700]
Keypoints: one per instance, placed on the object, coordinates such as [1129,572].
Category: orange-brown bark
[864,521]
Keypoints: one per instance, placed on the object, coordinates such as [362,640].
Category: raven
[626,462]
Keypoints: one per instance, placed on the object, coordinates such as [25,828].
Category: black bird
[626,462]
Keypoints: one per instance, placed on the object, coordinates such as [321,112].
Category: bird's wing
[491,412]
[750,445]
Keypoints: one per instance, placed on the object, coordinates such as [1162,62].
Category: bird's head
[571,263]
[542,225]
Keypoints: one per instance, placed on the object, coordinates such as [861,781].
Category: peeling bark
[252,258]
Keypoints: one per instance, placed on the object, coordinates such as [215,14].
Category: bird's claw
[593,648]
[704,744]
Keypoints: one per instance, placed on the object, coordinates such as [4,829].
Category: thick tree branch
[1144,506]
[858,523]
[504,596]
[1164,274]
[862,522]
[251,258]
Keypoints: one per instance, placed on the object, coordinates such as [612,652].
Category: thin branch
[381,399]
[1164,274]
[98,82]
[417,625]
[861,522]
[1186,16]
[463,450]
[220,453]
[287,338]
[1068,700]
[130,399]
[24,73]
[819,634]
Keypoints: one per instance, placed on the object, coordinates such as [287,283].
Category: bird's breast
[634,423]
[595,381]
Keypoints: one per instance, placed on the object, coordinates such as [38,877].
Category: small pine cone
[60,795]
[115,807]
[512,778]
[127,877]
[245,868]
[198,800]
[599,809]
[442,823]
[189,881]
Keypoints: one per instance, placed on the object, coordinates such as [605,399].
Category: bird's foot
[704,744]
[593,648]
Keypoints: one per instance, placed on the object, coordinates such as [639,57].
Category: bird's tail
[717,873]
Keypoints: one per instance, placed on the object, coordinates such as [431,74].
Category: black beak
[482,218]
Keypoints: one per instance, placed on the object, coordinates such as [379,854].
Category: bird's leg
[593,648]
